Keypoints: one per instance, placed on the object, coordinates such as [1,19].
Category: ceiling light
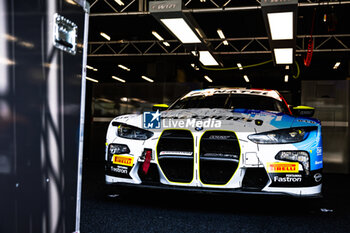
[94,69]
[89,67]
[181,30]
[207,59]
[123,67]
[107,37]
[287,67]
[240,66]
[286,78]
[284,56]
[194,66]
[119,79]
[166,44]
[336,65]
[157,35]
[222,36]
[203,0]
[91,79]
[246,78]
[119,2]
[208,79]
[147,79]
[281,25]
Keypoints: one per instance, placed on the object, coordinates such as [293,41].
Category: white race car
[219,140]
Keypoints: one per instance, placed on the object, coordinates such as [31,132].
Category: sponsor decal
[307,121]
[318,162]
[123,160]
[318,177]
[191,123]
[319,151]
[220,137]
[151,120]
[120,169]
[288,178]
[283,167]
[176,153]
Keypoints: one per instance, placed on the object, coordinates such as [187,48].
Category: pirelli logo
[123,160]
[283,167]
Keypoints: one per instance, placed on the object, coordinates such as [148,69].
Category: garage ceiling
[133,45]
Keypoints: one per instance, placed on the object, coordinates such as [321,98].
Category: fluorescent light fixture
[281,25]
[123,67]
[147,79]
[107,37]
[166,44]
[240,66]
[157,35]
[336,65]
[181,30]
[284,56]
[287,67]
[91,68]
[207,59]
[119,79]
[194,66]
[246,78]
[194,53]
[91,79]
[222,36]
[286,78]
[120,3]
[208,79]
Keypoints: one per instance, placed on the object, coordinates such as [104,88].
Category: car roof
[230,90]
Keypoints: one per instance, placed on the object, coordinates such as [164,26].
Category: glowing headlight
[131,132]
[291,135]
[296,156]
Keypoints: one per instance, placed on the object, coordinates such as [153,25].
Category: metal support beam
[340,43]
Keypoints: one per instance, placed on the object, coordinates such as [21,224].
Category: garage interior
[53,121]
[132,50]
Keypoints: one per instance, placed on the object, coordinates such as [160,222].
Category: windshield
[231,101]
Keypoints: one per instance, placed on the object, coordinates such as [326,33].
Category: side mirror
[160,107]
[303,111]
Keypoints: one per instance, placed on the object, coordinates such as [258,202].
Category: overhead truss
[249,45]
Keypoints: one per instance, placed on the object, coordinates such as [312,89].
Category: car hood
[230,119]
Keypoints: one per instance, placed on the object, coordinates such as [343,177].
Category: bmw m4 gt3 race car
[219,140]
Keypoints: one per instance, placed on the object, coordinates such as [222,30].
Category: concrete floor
[159,211]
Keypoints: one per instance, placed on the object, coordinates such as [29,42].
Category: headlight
[131,132]
[296,156]
[118,149]
[291,135]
